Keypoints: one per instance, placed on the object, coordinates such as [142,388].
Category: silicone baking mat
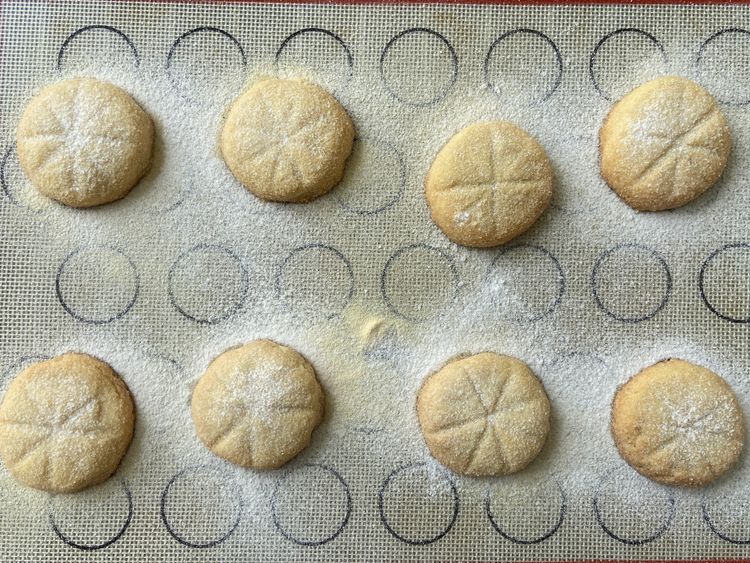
[364,285]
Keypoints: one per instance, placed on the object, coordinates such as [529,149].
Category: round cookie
[287,140]
[65,423]
[257,405]
[678,423]
[84,142]
[488,184]
[485,414]
[664,144]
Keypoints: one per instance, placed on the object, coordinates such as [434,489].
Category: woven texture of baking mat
[190,263]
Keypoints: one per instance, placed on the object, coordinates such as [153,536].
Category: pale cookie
[65,423]
[678,423]
[287,140]
[488,184]
[257,405]
[84,142]
[664,144]
[484,415]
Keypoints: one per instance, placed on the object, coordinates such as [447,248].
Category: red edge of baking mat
[486,2]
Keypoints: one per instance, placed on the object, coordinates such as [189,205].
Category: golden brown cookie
[488,184]
[257,405]
[84,142]
[65,423]
[678,423]
[287,140]
[485,414]
[664,144]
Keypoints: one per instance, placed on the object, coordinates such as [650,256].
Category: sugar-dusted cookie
[65,423]
[84,142]
[678,423]
[485,414]
[287,140]
[664,144]
[257,405]
[488,184]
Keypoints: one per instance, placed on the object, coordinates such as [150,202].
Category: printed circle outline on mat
[234,496]
[561,283]
[339,526]
[524,541]
[597,292]
[118,33]
[201,29]
[715,529]
[534,33]
[315,300]
[702,281]
[94,547]
[319,30]
[418,541]
[120,310]
[700,56]
[351,163]
[451,52]
[22,363]
[666,523]
[237,301]
[443,255]
[603,41]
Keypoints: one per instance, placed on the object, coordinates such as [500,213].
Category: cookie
[678,423]
[483,415]
[84,142]
[488,184]
[287,140]
[257,405]
[664,144]
[65,423]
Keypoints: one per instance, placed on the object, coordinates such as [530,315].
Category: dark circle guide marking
[401,180]
[97,321]
[410,248]
[336,38]
[3,175]
[633,541]
[667,276]
[702,276]
[561,284]
[244,281]
[524,541]
[20,364]
[202,29]
[603,40]
[175,534]
[279,282]
[117,33]
[451,51]
[715,529]
[702,52]
[93,547]
[306,542]
[417,541]
[533,32]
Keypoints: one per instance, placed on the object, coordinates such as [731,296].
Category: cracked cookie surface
[257,405]
[84,142]
[488,184]
[678,423]
[483,415]
[65,423]
[287,140]
[664,144]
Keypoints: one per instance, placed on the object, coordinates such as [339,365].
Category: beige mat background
[367,288]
